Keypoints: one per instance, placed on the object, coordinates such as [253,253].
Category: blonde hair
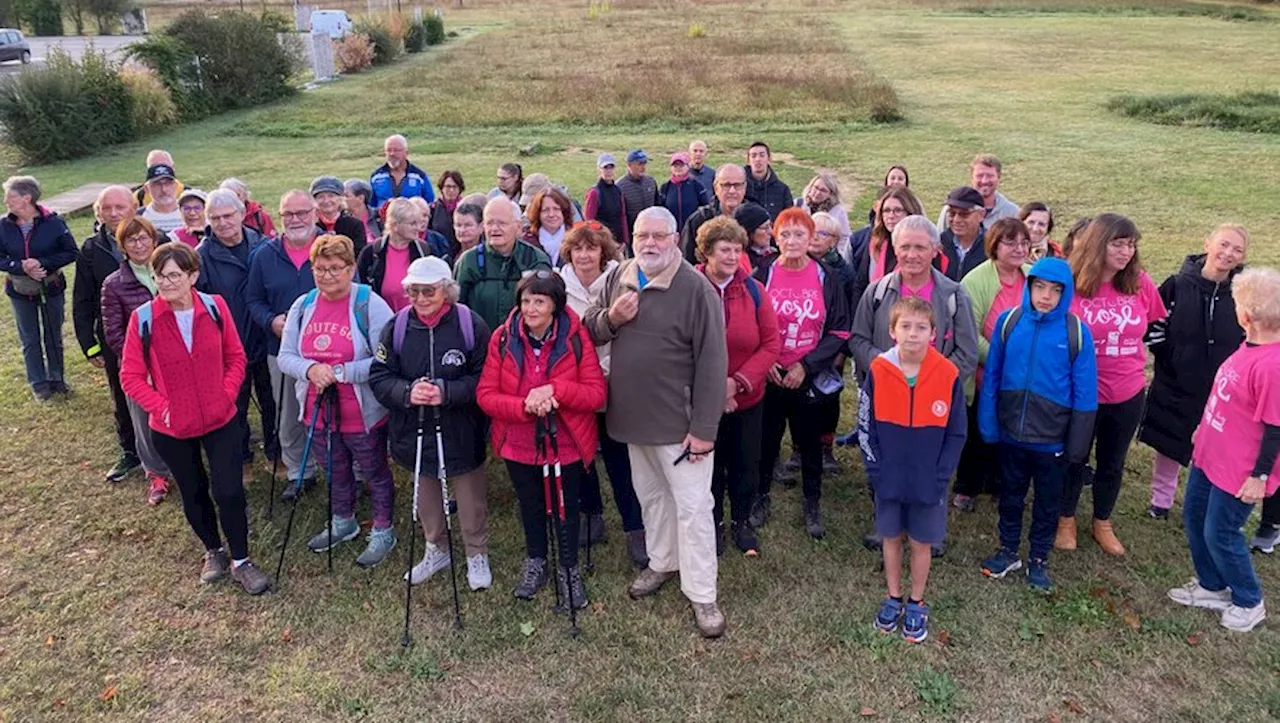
[333,246]
[1235,228]
[1254,291]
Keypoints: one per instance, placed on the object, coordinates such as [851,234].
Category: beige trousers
[472,516]
[676,504]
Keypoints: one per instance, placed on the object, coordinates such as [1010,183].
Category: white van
[335,23]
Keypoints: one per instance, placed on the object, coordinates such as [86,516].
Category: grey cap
[605,159]
[327,184]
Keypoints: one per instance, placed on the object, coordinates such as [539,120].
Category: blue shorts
[922,523]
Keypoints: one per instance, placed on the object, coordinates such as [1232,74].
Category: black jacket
[439,354]
[98,257]
[442,223]
[956,269]
[1187,348]
[346,225]
[771,193]
[222,273]
[689,236]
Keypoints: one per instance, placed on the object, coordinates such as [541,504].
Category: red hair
[794,216]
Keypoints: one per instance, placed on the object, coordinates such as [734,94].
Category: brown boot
[1066,537]
[1106,538]
[648,582]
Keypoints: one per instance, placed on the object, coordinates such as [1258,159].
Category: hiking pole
[330,413]
[408,567]
[448,523]
[559,490]
[540,438]
[275,465]
[302,470]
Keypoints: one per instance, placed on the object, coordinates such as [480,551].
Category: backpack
[362,308]
[753,290]
[574,343]
[882,287]
[144,322]
[1074,335]
[465,320]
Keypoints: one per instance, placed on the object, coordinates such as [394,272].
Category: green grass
[1249,112]
[99,591]
[1210,10]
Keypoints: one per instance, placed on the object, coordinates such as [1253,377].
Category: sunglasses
[427,291]
[537,274]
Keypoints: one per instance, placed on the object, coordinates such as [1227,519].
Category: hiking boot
[1192,595]
[291,491]
[60,388]
[338,531]
[1158,513]
[532,578]
[915,622]
[719,539]
[760,511]
[744,536]
[1038,576]
[813,519]
[1242,620]
[125,465]
[890,615]
[479,577]
[830,465]
[1065,539]
[709,619]
[1000,564]
[964,503]
[1106,538]
[571,588]
[158,489]
[253,580]
[216,566]
[381,543]
[648,582]
[43,394]
[638,548]
[872,541]
[1266,539]
[433,560]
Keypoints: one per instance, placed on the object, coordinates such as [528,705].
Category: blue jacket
[1033,396]
[416,183]
[222,273]
[51,242]
[683,198]
[274,284]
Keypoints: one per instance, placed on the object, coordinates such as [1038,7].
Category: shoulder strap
[1010,321]
[882,288]
[307,300]
[423,250]
[753,289]
[211,306]
[951,305]
[1074,336]
[362,310]
[468,324]
[576,345]
[399,329]
[144,330]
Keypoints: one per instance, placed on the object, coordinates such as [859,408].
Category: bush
[433,26]
[66,108]
[44,17]
[153,107]
[174,64]
[353,53]
[386,47]
[415,38]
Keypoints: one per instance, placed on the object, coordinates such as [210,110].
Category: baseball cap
[193,193]
[427,270]
[605,159]
[327,184]
[964,197]
[680,157]
[159,170]
[637,156]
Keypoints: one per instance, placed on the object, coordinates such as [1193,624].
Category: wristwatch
[1264,477]
[339,372]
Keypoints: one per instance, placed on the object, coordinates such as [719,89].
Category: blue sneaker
[890,614]
[1000,564]
[1038,576]
[915,622]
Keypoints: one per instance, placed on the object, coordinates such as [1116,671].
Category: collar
[629,276]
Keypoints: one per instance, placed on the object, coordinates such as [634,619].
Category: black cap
[160,170]
[751,216]
[964,197]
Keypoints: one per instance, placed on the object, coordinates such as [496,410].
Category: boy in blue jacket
[1038,400]
[911,427]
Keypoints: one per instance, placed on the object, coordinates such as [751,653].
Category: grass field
[102,616]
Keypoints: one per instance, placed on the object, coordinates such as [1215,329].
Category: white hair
[917,223]
[1254,291]
[221,197]
[397,137]
[660,213]
[501,199]
[235,185]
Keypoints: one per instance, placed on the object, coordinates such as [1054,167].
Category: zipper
[911,401]
[1026,379]
[1213,302]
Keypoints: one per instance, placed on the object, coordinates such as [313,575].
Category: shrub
[385,45]
[415,38]
[153,107]
[66,108]
[353,53]
[433,27]
[696,30]
[174,64]
[44,17]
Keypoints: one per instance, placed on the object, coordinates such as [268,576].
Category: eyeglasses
[193,209]
[963,212]
[222,218]
[641,237]
[139,239]
[322,272]
[426,291]
[825,234]
[1015,244]
[296,214]
[171,278]
[537,274]
[893,211]
[729,186]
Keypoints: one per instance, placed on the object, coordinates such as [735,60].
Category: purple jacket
[121,294]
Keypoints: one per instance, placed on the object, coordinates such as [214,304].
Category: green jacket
[487,281]
[983,284]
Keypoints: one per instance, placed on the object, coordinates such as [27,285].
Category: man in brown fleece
[666,392]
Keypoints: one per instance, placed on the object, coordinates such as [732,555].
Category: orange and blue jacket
[911,436]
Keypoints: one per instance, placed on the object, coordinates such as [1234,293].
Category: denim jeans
[369,451]
[1018,469]
[39,325]
[1214,519]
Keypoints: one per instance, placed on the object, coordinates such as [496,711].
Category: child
[911,426]
[1038,402]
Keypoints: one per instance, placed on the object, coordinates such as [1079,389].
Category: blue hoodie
[1033,396]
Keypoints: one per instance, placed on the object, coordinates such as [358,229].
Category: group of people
[678,331]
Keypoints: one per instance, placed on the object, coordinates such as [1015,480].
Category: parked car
[336,23]
[13,46]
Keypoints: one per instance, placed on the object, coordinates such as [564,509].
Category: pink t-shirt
[924,292]
[1245,396]
[327,339]
[299,256]
[1009,296]
[1118,323]
[801,309]
[397,267]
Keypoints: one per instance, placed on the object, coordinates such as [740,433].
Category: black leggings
[783,407]
[979,469]
[530,492]
[257,379]
[737,462]
[1112,433]
[224,477]
[617,462]
[124,422]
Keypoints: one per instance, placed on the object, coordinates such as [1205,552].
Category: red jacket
[578,382]
[751,331]
[190,394]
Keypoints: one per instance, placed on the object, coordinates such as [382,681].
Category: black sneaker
[813,519]
[744,536]
[532,578]
[638,548]
[61,388]
[872,542]
[43,394]
[1158,513]
[760,511]
[291,490]
[719,539]
[571,582]
[125,465]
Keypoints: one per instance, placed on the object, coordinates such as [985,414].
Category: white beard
[662,264]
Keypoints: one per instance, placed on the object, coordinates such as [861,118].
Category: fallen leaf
[48,642]
[867,712]
[526,629]
[368,606]
[287,635]
[1054,717]
[1074,706]
[1195,639]
[944,638]
[1132,620]
[108,694]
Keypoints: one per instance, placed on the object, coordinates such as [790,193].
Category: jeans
[979,471]
[257,380]
[783,407]
[367,449]
[618,466]
[1112,433]
[223,478]
[1213,519]
[1019,469]
[124,423]
[737,463]
[531,492]
[39,324]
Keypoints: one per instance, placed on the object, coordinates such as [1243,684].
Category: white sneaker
[478,575]
[434,561]
[1192,595]
[1242,620]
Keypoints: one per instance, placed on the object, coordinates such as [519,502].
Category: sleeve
[981,306]
[704,194]
[862,346]
[387,382]
[1267,451]
[115,320]
[357,371]
[1157,336]
[588,392]
[64,250]
[364,265]
[133,373]
[755,370]
[256,291]
[290,358]
[711,365]
[489,395]
[85,305]
[689,238]
[463,391]
[234,361]
[868,436]
[591,204]
[1156,310]
[965,353]
[957,431]
[428,192]
[1084,400]
[8,264]
[596,317]
[989,391]
[835,329]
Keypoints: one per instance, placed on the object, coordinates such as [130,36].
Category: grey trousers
[293,433]
[151,460]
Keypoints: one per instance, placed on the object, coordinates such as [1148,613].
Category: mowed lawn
[101,614]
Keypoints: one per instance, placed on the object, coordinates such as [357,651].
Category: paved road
[112,44]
